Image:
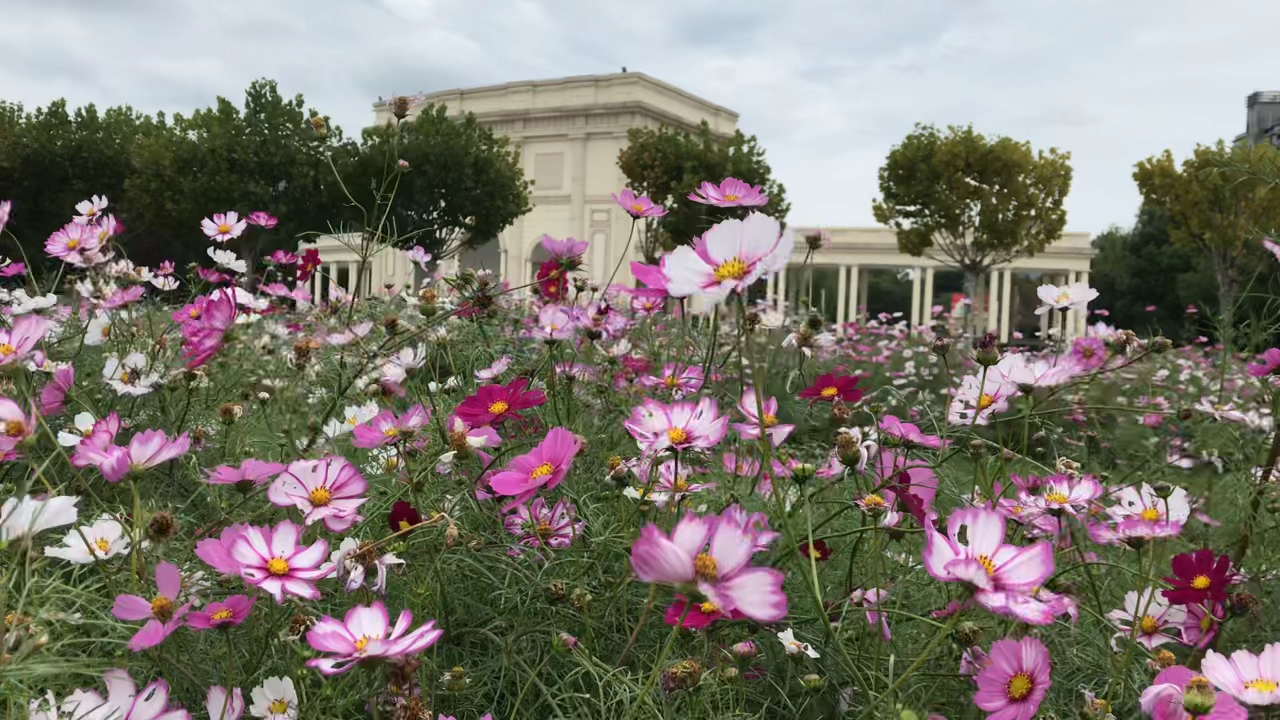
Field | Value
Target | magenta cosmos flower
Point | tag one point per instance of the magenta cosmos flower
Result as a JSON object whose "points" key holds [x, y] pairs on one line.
{"points": [[147, 449], [1015, 679], [273, 560], [123, 701], [907, 433], [15, 424], [263, 219], [678, 380], [540, 526], [492, 404], [678, 426], [222, 613], [831, 387], [365, 633], [385, 428], [223, 226], [731, 192], [994, 568], [1268, 364], [53, 395], [546, 465], [712, 555], [1251, 679], [653, 277], [1199, 577], [638, 206], [17, 342], [162, 614], [205, 326], [255, 472], [729, 257], [566, 249], [329, 489], [750, 407], [1062, 492], [73, 243], [1163, 700]]}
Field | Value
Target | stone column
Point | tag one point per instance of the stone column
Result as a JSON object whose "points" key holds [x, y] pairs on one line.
{"points": [[315, 287], [860, 296], [915, 297], [842, 294], [782, 290], [1006, 305], [993, 301], [926, 311], [770, 282], [1083, 328]]}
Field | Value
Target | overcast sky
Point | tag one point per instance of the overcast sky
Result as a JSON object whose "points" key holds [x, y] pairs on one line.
{"points": [[827, 85]]}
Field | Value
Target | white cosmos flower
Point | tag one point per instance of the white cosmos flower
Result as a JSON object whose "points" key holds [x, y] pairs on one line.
{"points": [[83, 423], [227, 259], [106, 538], [22, 303], [795, 647], [164, 282], [98, 330], [20, 517], [350, 567], [398, 367], [352, 416], [129, 376], [1065, 297], [275, 699]]}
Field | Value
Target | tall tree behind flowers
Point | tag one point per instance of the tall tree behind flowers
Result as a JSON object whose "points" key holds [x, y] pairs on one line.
{"points": [[668, 163], [971, 201]]}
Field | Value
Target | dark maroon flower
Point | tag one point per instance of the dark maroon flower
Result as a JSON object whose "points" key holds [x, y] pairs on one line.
{"points": [[403, 516], [552, 281], [1198, 578], [492, 404], [830, 387], [819, 550], [308, 262]]}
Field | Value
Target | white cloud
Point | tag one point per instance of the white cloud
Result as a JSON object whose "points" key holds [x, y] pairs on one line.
{"points": [[828, 85]]}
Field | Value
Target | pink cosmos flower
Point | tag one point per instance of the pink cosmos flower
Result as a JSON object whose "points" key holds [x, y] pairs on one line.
{"points": [[554, 323], [385, 428], [1271, 247], [222, 705], [696, 615], [6, 206], [161, 612], [216, 552], [123, 701], [13, 269], [1163, 700], [494, 370], [1015, 679], [1062, 492], [907, 483], [462, 435], [365, 633], [1251, 679], [282, 257], [983, 560], [678, 426], [54, 394], [1268, 364], [908, 433], [868, 600], [1140, 513], [565, 249], [1201, 624], [271, 559], [223, 226], [546, 465], [678, 380], [751, 429], [261, 218], [252, 471], [712, 555], [667, 486], [74, 244], [328, 489], [731, 192], [1153, 617], [1089, 353], [15, 424], [18, 341], [492, 404], [647, 301], [651, 276], [206, 325], [541, 527], [637, 206], [146, 449], [729, 257], [221, 613]]}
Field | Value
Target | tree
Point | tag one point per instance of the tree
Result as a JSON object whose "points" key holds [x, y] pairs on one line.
{"points": [[459, 185], [668, 163], [972, 202], [1219, 203]]}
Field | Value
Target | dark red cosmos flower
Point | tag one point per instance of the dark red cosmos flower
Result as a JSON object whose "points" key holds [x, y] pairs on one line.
{"points": [[1198, 577], [491, 404], [819, 550], [308, 262], [830, 387], [552, 280], [403, 516]]}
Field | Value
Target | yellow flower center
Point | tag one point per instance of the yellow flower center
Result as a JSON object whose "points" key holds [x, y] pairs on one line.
{"points": [[193, 312], [1261, 685], [873, 501], [770, 420], [637, 208], [499, 407], [15, 428], [102, 545], [704, 567], [680, 485], [542, 471], [1086, 351], [278, 566], [1201, 582], [677, 435], [1150, 514], [709, 608], [6, 349], [985, 401], [1206, 622], [732, 269], [987, 565], [1019, 686], [391, 432], [223, 614], [224, 228], [162, 608], [404, 525], [1056, 497], [353, 420], [72, 244], [361, 643], [278, 706], [730, 198], [1149, 625], [671, 381], [815, 553], [830, 392], [126, 377], [320, 496], [542, 528]]}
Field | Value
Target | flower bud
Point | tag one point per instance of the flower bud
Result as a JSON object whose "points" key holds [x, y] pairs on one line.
{"points": [[986, 353], [565, 641], [967, 634], [162, 527], [941, 346], [682, 675], [744, 650], [1160, 344], [1165, 659], [400, 107], [450, 535], [1198, 697], [803, 473], [813, 681], [1162, 489]]}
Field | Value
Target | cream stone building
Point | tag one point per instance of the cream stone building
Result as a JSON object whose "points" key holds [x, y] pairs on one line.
{"points": [[568, 133]]}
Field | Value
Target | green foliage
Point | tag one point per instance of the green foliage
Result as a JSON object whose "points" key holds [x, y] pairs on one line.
{"points": [[973, 200], [668, 163], [1218, 203], [462, 184]]}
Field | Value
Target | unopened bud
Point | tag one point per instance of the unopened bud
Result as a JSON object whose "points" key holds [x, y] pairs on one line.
{"points": [[565, 641], [1007, 455], [1162, 489], [977, 447], [163, 526], [813, 682], [1198, 697], [1160, 344], [744, 650], [803, 473], [941, 346], [985, 352], [968, 634], [450, 535], [400, 107]]}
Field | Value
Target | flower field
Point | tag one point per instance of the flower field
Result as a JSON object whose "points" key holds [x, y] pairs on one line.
{"points": [[580, 500]]}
